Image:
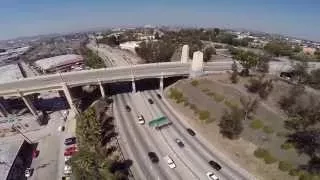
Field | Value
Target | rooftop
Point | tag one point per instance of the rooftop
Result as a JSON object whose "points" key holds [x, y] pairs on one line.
{"points": [[56, 61], [8, 153]]}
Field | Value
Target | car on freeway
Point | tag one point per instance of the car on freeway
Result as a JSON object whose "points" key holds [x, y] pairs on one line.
{"points": [[212, 176], [69, 141], [170, 162], [153, 157], [179, 142], [128, 109], [191, 132], [150, 101], [28, 172], [159, 96], [141, 119], [215, 165], [35, 153], [67, 170]]}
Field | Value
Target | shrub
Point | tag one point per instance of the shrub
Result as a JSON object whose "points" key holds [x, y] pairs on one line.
{"points": [[256, 124], [186, 103], [195, 83], [230, 104], [282, 134], [203, 115], [284, 166], [205, 90], [269, 159], [286, 146], [218, 97], [260, 153], [295, 172], [308, 176], [267, 129]]}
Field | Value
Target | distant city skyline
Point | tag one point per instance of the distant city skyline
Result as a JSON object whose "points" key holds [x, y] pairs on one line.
{"points": [[33, 17]]}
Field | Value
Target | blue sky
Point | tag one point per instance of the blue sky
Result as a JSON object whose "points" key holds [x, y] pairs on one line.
{"points": [[31, 17]]}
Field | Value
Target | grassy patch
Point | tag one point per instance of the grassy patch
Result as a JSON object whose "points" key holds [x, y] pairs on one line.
{"points": [[265, 155], [203, 115], [195, 83], [205, 90], [230, 104], [282, 134], [285, 166], [256, 124], [268, 129], [295, 172], [286, 146]]}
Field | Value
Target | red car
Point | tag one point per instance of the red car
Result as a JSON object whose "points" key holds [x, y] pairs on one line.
{"points": [[35, 153], [70, 151], [73, 148]]}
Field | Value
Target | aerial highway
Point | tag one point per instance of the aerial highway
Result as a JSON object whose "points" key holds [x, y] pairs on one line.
{"points": [[191, 160]]}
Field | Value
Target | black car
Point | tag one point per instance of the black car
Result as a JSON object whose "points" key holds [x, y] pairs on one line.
{"points": [[128, 108], [69, 141], [159, 96], [153, 157], [179, 142], [215, 165], [150, 101], [191, 132]]}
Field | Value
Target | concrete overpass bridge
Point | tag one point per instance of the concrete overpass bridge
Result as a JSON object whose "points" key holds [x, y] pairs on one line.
{"points": [[64, 81]]}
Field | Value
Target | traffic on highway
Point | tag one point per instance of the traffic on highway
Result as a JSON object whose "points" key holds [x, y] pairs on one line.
{"points": [[163, 146]]}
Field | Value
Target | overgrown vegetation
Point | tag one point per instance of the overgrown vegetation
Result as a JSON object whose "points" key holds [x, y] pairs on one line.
{"points": [[265, 155], [286, 146], [194, 83], [256, 124], [231, 123], [234, 75], [260, 86], [97, 158], [208, 52], [91, 59]]}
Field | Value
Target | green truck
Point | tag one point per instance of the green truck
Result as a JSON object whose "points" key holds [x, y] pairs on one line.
{"points": [[159, 122]]}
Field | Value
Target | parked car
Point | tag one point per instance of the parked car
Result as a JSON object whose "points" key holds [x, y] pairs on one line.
{"points": [[141, 119], [191, 132], [73, 148], [35, 153], [128, 109], [159, 96], [69, 141], [67, 170], [212, 176], [153, 157], [28, 172], [170, 162], [179, 142], [150, 101], [215, 165], [61, 128]]}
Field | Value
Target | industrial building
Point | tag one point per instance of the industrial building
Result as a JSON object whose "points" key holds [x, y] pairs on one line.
{"points": [[14, 159], [61, 63]]}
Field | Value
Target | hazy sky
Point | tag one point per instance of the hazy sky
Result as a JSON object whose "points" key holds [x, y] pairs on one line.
{"points": [[31, 17]]}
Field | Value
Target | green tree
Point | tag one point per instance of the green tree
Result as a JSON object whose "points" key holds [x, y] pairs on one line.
{"points": [[231, 123], [234, 75], [208, 52], [247, 59], [278, 48], [249, 106]]}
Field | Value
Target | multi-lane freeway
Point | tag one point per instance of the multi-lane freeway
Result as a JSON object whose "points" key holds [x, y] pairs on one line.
{"points": [[191, 160]]}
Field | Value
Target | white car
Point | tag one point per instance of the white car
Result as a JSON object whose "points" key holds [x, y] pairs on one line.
{"points": [[66, 158], [170, 162], [67, 169], [141, 119], [28, 172], [212, 176]]}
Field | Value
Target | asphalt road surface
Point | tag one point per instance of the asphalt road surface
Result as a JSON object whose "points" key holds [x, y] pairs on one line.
{"points": [[138, 140]]}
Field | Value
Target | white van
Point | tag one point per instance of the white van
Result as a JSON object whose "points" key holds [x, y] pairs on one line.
{"points": [[170, 162], [141, 119]]}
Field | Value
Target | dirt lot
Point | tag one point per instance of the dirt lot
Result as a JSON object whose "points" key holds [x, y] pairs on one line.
{"points": [[241, 150]]}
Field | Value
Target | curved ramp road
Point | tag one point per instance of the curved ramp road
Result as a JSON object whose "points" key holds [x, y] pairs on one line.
{"points": [[191, 160]]}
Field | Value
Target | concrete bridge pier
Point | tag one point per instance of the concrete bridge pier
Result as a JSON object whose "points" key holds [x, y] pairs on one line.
{"points": [[134, 90], [103, 94], [197, 64], [3, 111], [29, 104], [69, 98], [161, 83], [185, 54]]}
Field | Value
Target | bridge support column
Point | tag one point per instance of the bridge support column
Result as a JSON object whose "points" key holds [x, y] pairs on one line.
{"points": [[197, 64], [3, 111], [161, 83], [134, 90], [103, 94], [29, 104], [69, 98], [185, 54]]}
